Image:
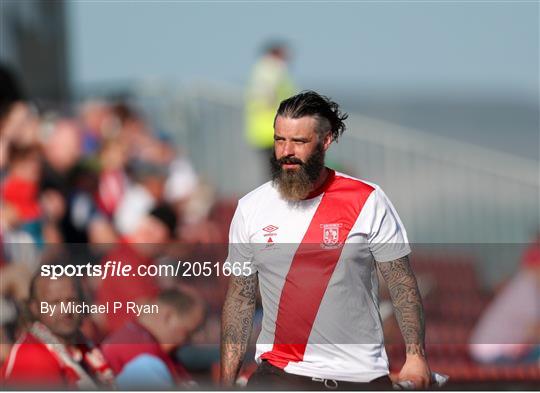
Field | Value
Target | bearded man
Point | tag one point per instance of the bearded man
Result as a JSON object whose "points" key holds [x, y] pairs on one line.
{"points": [[313, 238]]}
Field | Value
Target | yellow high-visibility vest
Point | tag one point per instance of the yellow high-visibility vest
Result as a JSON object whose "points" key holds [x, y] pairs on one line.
{"points": [[269, 85]]}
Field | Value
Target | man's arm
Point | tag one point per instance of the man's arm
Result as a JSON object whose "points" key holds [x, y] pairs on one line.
{"points": [[236, 324], [409, 313]]}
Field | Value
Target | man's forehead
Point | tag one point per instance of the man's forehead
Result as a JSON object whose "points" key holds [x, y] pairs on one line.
{"points": [[48, 287], [305, 124]]}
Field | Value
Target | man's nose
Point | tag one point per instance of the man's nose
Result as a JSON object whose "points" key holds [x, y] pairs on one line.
{"points": [[288, 149]]}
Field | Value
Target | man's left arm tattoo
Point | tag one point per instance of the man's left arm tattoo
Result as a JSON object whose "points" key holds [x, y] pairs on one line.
{"points": [[407, 303]]}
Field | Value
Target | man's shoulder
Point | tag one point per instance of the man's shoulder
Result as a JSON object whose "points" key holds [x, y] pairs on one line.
{"points": [[358, 183], [30, 344], [264, 192], [28, 354]]}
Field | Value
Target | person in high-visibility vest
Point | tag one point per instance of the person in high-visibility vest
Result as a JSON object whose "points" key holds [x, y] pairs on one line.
{"points": [[269, 84]]}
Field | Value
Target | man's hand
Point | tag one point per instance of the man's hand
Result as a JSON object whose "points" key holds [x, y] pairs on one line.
{"points": [[415, 370]]}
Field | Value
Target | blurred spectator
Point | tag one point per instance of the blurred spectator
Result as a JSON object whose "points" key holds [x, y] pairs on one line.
{"points": [[53, 352], [62, 151], [140, 196], [269, 84], [82, 210], [18, 120], [140, 351], [71, 180], [131, 129], [20, 126], [182, 181], [141, 246], [191, 198], [21, 185], [20, 222], [509, 329], [98, 123], [15, 279], [112, 178], [18, 149]]}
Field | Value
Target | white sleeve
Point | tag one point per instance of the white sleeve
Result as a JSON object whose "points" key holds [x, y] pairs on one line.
{"points": [[387, 236], [240, 250]]}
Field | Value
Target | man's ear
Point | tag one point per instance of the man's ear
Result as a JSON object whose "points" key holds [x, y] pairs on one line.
{"points": [[327, 141]]}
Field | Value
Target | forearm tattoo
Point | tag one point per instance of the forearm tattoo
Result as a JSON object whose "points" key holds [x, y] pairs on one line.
{"points": [[407, 303], [236, 324]]}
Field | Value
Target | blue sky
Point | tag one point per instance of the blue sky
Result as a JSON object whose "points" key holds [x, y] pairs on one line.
{"points": [[403, 45]]}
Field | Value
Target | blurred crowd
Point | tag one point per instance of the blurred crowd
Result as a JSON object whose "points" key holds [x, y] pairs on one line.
{"points": [[99, 183], [93, 184], [96, 184]]}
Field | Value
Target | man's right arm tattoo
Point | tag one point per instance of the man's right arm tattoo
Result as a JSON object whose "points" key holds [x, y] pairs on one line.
{"points": [[236, 324], [407, 303]]}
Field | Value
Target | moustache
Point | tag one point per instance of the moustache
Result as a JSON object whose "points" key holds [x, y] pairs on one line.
{"points": [[290, 160]]}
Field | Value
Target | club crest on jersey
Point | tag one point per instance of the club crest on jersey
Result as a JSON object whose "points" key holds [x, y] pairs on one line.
{"points": [[330, 236]]}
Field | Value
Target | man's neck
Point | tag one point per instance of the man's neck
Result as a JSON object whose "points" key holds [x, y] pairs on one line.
{"points": [[319, 183], [321, 179]]}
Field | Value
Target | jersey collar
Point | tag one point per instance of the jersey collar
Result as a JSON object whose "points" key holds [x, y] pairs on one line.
{"points": [[329, 180]]}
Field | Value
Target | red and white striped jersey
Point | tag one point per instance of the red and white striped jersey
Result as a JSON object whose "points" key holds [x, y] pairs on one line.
{"points": [[315, 261]]}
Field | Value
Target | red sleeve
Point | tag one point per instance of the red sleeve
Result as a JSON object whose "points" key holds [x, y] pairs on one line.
{"points": [[31, 364]]}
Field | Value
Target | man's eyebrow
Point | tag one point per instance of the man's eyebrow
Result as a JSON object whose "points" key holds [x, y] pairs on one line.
{"points": [[294, 139]]}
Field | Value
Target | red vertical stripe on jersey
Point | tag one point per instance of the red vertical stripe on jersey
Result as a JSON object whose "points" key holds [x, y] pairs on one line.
{"points": [[312, 267]]}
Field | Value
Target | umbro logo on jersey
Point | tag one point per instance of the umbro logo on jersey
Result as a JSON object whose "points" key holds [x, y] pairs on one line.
{"points": [[270, 232], [270, 228]]}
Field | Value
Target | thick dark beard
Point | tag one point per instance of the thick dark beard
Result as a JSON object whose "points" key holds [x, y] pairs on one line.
{"points": [[296, 184]]}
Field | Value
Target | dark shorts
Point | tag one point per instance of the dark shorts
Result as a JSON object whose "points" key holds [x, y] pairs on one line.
{"points": [[268, 377]]}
